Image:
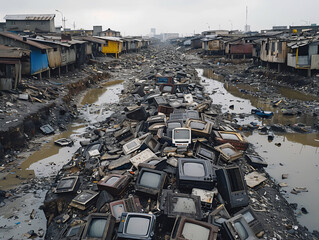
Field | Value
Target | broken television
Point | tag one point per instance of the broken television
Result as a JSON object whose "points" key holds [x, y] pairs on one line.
{"points": [[181, 137], [136, 226], [251, 219], [190, 229], [131, 204], [237, 228], [195, 173], [114, 183], [67, 184], [150, 181], [99, 226]]}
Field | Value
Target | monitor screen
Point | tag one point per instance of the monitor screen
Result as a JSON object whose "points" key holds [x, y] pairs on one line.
{"points": [[167, 88], [194, 169], [181, 134], [152, 143], [150, 179], [138, 225], [234, 176], [183, 205], [248, 216], [174, 125], [83, 197], [219, 219], [112, 180], [229, 136], [117, 210], [197, 125], [66, 183], [228, 151], [131, 144], [73, 231], [96, 228], [193, 231], [205, 152], [240, 229]]}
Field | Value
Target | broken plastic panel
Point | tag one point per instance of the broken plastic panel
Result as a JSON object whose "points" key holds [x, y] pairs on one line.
{"points": [[228, 152], [165, 109], [251, 219], [206, 196], [195, 173], [132, 146], [232, 187], [156, 164], [237, 228], [137, 114], [123, 134], [136, 226], [218, 216], [150, 182], [151, 143], [131, 204], [71, 233], [202, 150], [189, 229], [256, 161], [234, 138], [99, 226], [114, 183], [143, 156], [84, 200], [68, 185]]}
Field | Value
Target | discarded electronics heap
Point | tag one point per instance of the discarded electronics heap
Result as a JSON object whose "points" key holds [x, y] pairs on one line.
{"points": [[167, 170]]}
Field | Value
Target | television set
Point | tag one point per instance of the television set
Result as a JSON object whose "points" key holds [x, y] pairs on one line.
{"points": [[251, 218], [151, 143], [138, 114], [204, 151], [123, 134], [115, 184], [156, 164], [218, 216], [131, 204], [132, 146], [155, 127], [181, 137], [171, 124], [189, 229], [256, 161], [167, 110], [192, 114], [228, 152], [136, 226], [162, 79], [143, 156], [174, 204], [237, 228], [156, 119], [234, 138], [195, 173], [84, 200], [167, 88], [68, 185], [150, 182], [199, 128], [99, 226], [232, 187], [159, 100], [71, 233]]}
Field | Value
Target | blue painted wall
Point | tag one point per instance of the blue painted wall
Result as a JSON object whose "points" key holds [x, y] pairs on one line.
{"points": [[39, 61]]}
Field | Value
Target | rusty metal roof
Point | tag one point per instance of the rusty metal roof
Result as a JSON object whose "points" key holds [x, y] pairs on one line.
{"points": [[33, 17], [26, 41], [12, 52]]}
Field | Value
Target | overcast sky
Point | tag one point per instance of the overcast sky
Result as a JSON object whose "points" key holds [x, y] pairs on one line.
{"points": [[136, 17]]}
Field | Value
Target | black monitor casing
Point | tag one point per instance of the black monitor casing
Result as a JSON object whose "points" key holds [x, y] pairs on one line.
{"points": [[108, 230]]}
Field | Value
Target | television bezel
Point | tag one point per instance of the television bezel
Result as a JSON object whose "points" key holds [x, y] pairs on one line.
{"points": [[225, 157], [167, 84], [137, 206], [217, 212], [205, 132], [108, 229], [123, 226], [149, 190], [84, 205], [229, 228], [200, 145], [255, 224], [127, 151], [118, 187], [67, 228], [177, 231], [68, 190]]}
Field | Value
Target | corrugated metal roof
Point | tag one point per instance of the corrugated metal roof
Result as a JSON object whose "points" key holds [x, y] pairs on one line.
{"points": [[92, 39], [27, 41], [115, 39], [33, 17], [12, 52]]}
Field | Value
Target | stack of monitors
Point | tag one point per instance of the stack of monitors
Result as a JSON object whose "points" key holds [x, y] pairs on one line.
{"points": [[115, 184]]}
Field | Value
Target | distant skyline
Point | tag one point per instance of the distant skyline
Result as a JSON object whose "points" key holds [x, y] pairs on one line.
{"points": [[174, 16]]}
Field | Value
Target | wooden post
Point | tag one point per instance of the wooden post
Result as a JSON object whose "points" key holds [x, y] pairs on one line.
{"points": [[59, 71], [279, 67], [309, 72], [49, 73]]}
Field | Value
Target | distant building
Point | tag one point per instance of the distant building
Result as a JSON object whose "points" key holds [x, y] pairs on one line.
{"points": [[2, 26], [153, 32], [247, 28], [97, 30], [279, 28], [167, 36], [215, 32], [309, 28], [110, 33], [30, 23]]}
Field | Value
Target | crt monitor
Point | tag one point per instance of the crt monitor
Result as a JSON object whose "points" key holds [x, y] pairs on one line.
{"points": [[99, 226], [181, 137], [136, 226], [67, 184], [150, 181], [237, 228], [190, 229], [114, 183]]}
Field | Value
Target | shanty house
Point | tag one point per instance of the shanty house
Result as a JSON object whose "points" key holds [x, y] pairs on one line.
{"points": [[304, 54], [213, 45], [239, 49], [112, 45], [30, 23], [39, 52], [11, 61], [109, 33]]}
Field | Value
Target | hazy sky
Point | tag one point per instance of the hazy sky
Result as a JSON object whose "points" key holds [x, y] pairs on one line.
{"points": [[136, 17]]}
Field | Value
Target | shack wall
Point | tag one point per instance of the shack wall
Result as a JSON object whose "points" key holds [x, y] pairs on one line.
{"points": [[39, 61]]}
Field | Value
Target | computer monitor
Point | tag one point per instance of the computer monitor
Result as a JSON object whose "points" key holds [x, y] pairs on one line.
{"points": [[181, 137], [136, 226], [114, 183], [237, 228], [218, 216], [151, 143], [84, 200], [199, 128], [251, 218], [204, 151], [131, 204], [189, 229], [234, 138], [132, 146], [156, 164], [232, 187], [174, 204], [150, 182], [67, 185], [256, 161], [99, 226], [228, 152], [171, 124], [195, 173], [71, 232]]}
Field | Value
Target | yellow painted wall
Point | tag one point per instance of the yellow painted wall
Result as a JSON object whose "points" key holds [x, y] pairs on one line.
{"points": [[112, 47]]}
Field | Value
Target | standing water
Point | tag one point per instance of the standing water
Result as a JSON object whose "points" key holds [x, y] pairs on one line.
{"points": [[22, 214], [297, 156]]}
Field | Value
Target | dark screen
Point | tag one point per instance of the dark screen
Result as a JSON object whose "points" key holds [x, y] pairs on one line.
{"points": [[236, 183], [240, 229], [73, 231], [66, 183], [206, 153], [96, 228]]}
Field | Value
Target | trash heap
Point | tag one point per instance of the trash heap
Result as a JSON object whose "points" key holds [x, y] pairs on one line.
{"points": [[164, 167]]}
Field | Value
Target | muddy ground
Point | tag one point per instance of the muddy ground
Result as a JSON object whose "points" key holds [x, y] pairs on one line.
{"points": [[276, 214]]}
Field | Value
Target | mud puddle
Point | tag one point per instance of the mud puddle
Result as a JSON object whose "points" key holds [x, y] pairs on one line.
{"points": [[15, 218], [297, 156]]}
